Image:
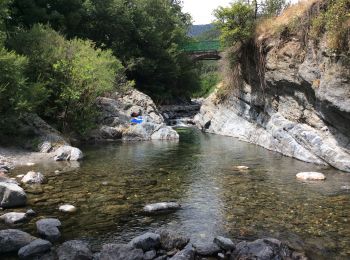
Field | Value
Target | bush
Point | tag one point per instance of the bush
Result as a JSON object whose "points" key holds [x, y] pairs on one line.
{"points": [[71, 73]]}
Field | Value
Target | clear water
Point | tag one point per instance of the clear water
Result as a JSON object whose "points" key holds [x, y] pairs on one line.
{"points": [[115, 181]]}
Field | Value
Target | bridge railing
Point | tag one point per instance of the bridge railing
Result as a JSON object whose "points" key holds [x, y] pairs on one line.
{"points": [[202, 46]]}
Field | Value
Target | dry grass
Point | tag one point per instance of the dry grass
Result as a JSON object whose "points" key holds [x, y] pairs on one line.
{"points": [[271, 26]]}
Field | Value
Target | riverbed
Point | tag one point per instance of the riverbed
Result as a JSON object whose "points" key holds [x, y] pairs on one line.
{"points": [[115, 180]]}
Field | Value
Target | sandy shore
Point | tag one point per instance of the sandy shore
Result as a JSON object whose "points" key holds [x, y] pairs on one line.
{"points": [[12, 157]]}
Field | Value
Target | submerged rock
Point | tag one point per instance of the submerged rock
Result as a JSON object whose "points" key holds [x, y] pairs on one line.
{"points": [[48, 228], [161, 206], [68, 153], [33, 178], [11, 195], [67, 208], [11, 240], [120, 251], [74, 250], [170, 240], [146, 241], [35, 248], [13, 218], [312, 176]]}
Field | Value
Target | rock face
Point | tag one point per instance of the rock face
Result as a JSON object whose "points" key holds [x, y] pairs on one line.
{"points": [[33, 178], [300, 107], [161, 207], [11, 240], [74, 250], [35, 248], [117, 111], [48, 228], [11, 195]]}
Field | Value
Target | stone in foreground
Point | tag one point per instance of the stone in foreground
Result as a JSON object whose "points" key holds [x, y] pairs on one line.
{"points": [[120, 251], [224, 243], [207, 249], [11, 240], [11, 195], [170, 240], [33, 178], [146, 241], [48, 229], [68, 153], [187, 253], [67, 208], [161, 207], [36, 248], [267, 248], [311, 176], [74, 249], [13, 218]]}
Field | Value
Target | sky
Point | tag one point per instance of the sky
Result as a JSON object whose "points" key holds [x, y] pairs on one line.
{"points": [[202, 10]]}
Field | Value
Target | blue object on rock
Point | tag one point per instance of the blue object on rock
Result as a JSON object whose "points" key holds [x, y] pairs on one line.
{"points": [[136, 120]]}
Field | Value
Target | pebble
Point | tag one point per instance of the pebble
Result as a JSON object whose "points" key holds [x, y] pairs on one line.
{"points": [[67, 208], [311, 176]]}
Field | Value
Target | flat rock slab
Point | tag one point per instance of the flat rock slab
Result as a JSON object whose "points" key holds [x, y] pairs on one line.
{"points": [[311, 176], [13, 218], [120, 251], [170, 240], [37, 247], [12, 195], [224, 243], [33, 178], [48, 229], [146, 241], [74, 249], [11, 240], [161, 207], [67, 208]]}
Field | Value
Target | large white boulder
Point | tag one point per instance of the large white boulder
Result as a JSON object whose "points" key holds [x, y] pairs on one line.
{"points": [[68, 153]]}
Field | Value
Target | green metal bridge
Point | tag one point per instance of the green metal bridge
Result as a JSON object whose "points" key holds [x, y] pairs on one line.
{"points": [[204, 50]]}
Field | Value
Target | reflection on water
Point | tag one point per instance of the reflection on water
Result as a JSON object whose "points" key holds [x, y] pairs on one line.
{"points": [[116, 180]]}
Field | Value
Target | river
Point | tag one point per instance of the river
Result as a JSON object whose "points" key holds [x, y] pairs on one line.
{"points": [[115, 180]]}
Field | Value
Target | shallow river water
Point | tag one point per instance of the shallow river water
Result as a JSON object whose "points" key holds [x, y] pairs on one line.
{"points": [[114, 182]]}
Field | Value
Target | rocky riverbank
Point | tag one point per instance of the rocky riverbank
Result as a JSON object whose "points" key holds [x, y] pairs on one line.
{"points": [[298, 107], [161, 245]]}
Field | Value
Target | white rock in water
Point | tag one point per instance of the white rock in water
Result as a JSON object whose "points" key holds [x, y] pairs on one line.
{"points": [[311, 176], [242, 167], [13, 218], [162, 206], [33, 178], [67, 208], [30, 164], [20, 176]]}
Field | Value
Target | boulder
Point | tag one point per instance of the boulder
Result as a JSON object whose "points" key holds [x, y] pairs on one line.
{"points": [[67, 208], [187, 253], [120, 251], [170, 240], [262, 249], [13, 218], [74, 250], [11, 195], [33, 178], [165, 133], [36, 248], [68, 153], [161, 206], [311, 176], [207, 249], [11, 240], [48, 229], [146, 241], [224, 243]]}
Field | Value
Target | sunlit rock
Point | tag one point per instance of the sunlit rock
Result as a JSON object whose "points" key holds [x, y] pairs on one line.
{"points": [[67, 208], [311, 176], [161, 206]]}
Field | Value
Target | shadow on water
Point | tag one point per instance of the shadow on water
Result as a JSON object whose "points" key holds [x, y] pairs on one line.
{"points": [[114, 182]]}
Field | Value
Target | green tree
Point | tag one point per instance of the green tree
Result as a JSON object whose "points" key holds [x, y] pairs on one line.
{"points": [[235, 22], [273, 7]]}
